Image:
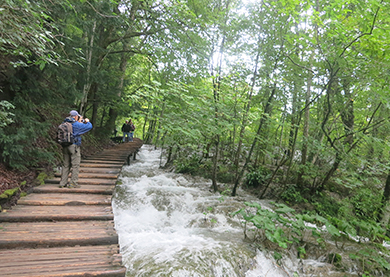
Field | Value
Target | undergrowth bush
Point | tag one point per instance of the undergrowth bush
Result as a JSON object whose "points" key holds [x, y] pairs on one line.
{"points": [[189, 165], [366, 204], [284, 227], [24, 146], [256, 178], [291, 195], [325, 205], [225, 174]]}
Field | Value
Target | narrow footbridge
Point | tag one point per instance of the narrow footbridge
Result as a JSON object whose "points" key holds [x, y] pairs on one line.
{"points": [[67, 232]]}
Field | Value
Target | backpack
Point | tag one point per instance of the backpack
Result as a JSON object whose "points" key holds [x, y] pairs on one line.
{"points": [[65, 134]]}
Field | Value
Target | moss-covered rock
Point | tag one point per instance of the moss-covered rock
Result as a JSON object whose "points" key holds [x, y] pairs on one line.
{"points": [[8, 193]]}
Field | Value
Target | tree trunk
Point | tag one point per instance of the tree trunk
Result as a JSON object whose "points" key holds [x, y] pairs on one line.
{"points": [[93, 118], [245, 118], [330, 173], [87, 84], [385, 207], [267, 111], [305, 133], [215, 165], [347, 115], [113, 113]]}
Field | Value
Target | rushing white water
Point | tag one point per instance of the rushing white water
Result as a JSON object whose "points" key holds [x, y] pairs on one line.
{"points": [[173, 225]]}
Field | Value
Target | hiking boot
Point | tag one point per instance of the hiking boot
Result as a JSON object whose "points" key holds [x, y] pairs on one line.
{"points": [[63, 186], [73, 186]]}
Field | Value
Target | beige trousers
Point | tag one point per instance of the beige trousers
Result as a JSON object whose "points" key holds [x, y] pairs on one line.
{"points": [[72, 158]]}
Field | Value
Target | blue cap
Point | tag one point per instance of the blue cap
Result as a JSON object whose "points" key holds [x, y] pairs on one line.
{"points": [[74, 113]]}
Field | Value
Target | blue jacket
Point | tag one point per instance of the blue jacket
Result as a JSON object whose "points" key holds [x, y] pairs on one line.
{"points": [[78, 129]]}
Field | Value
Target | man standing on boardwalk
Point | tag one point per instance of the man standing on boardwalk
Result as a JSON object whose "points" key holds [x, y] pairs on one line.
{"points": [[126, 130], [71, 153], [132, 128]]}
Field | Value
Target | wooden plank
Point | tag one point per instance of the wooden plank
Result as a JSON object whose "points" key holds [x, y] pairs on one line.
{"points": [[119, 159], [64, 261], [56, 199], [93, 175], [22, 213], [96, 165], [100, 170], [43, 253], [54, 234], [72, 271], [85, 181], [95, 189]]}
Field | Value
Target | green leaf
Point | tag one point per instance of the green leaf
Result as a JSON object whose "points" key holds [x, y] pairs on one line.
{"points": [[284, 210], [332, 229]]}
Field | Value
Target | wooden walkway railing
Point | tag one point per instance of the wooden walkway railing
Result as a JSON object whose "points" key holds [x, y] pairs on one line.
{"points": [[67, 232]]}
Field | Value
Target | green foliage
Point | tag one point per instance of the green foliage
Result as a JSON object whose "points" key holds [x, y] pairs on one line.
{"points": [[370, 259], [6, 117], [190, 165], [325, 205], [335, 259], [301, 252], [366, 204], [21, 146], [225, 174], [257, 178], [41, 178], [27, 32], [225, 193], [279, 227], [284, 226], [277, 256], [8, 193], [291, 195]]}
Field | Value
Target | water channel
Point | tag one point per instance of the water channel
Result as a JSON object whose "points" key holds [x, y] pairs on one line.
{"points": [[172, 225]]}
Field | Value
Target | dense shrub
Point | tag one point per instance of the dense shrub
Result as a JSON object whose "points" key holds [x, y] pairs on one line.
{"points": [[188, 165], [257, 177]]}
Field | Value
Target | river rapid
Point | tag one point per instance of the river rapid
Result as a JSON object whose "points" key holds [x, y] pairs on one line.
{"points": [[172, 225]]}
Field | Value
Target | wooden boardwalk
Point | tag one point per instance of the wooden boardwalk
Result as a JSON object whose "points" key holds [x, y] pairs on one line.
{"points": [[67, 232]]}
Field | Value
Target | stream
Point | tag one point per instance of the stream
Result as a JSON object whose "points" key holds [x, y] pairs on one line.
{"points": [[171, 224]]}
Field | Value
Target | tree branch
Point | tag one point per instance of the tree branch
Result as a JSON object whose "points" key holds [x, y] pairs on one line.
{"points": [[301, 66], [364, 34], [127, 51]]}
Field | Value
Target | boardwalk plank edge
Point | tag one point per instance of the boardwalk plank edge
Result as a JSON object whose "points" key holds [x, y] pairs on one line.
{"points": [[58, 242], [50, 218]]}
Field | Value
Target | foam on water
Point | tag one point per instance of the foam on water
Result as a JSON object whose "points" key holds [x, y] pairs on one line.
{"points": [[173, 225]]}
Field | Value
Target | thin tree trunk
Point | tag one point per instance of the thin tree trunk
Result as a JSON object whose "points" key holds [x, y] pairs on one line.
{"points": [[339, 156], [144, 127], [245, 117], [113, 113], [103, 116], [217, 88], [305, 132], [215, 165], [267, 110], [385, 205], [87, 84], [95, 106]]}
